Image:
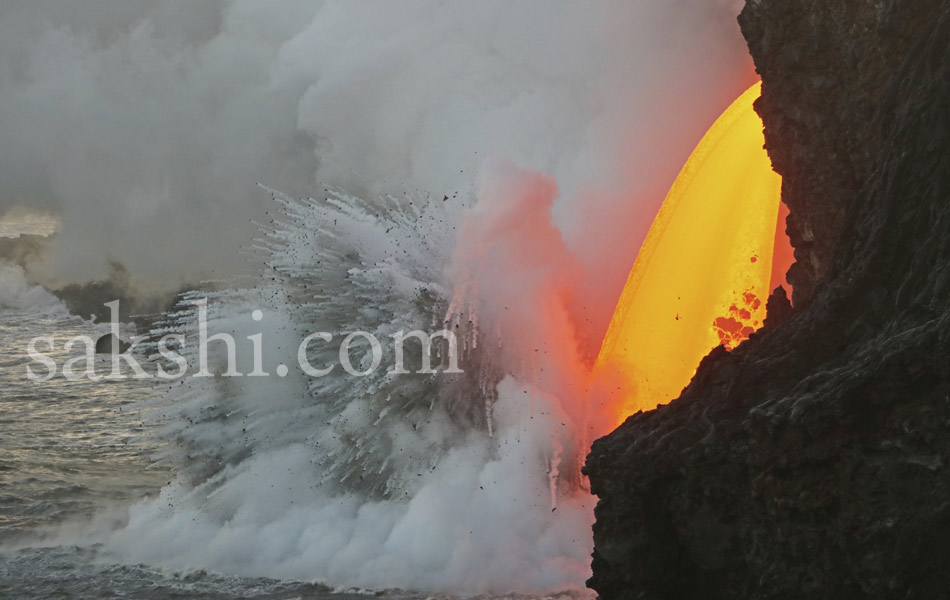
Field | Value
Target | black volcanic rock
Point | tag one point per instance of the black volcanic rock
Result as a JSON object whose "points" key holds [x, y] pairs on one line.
{"points": [[88, 300], [825, 66], [778, 308], [111, 344], [814, 460]]}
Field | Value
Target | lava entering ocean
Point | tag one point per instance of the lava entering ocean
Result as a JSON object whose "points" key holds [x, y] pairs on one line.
{"points": [[704, 270], [467, 482]]}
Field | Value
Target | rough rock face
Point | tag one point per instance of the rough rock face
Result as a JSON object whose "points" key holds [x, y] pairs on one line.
{"points": [[825, 66], [814, 460]]}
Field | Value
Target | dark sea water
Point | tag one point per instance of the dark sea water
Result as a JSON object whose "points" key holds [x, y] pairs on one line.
{"points": [[81, 572], [74, 451], [73, 457], [68, 448]]}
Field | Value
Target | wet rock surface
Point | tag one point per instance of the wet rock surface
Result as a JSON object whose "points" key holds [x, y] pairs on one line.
{"points": [[814, 460]]}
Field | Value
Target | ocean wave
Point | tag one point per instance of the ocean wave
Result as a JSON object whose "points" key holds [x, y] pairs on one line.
{"points": [[17, 294]]}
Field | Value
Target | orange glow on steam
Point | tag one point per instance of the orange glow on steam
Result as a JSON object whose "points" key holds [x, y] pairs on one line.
{"points": [[702, 275]]}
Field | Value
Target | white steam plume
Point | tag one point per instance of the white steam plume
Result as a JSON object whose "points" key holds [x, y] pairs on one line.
{"points": [[145, 125]]}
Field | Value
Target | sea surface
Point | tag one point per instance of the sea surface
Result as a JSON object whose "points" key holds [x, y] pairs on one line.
{"points": [[67, 448], [69, 452], [74, 453]]}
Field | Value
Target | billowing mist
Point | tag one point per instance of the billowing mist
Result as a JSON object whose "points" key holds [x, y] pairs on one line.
{"points": [[144, 126]]}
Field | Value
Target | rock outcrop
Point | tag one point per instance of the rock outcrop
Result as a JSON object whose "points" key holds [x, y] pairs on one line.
{"points": [[814, 460]]}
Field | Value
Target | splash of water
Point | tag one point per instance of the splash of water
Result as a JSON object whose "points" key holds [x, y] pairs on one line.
{"points": [[463, 483], [18, 294]]}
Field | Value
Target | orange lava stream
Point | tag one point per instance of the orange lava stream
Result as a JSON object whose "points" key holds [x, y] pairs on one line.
{"points": [[703, 273]]}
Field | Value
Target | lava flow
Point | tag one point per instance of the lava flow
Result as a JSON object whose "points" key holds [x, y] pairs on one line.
{"points": [[703, 273]]}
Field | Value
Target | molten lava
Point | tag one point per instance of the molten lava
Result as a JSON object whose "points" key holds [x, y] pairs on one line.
{"points": [[703, 273]]}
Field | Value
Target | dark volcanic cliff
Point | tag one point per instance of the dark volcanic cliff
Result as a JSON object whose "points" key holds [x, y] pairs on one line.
{"points": [[814, 460]]}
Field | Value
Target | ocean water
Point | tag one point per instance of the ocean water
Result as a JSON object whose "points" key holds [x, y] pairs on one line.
{"points": [[68, 448], [76, 452]]}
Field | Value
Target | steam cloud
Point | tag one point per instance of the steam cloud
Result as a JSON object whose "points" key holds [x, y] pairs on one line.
{"points": [[144, 126]]}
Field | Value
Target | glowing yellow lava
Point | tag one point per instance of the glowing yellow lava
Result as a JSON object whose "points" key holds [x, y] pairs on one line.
{"points": [[702, 275]]}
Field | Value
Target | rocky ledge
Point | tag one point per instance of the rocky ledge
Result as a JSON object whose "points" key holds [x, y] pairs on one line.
{"points": [[814, 460]]}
